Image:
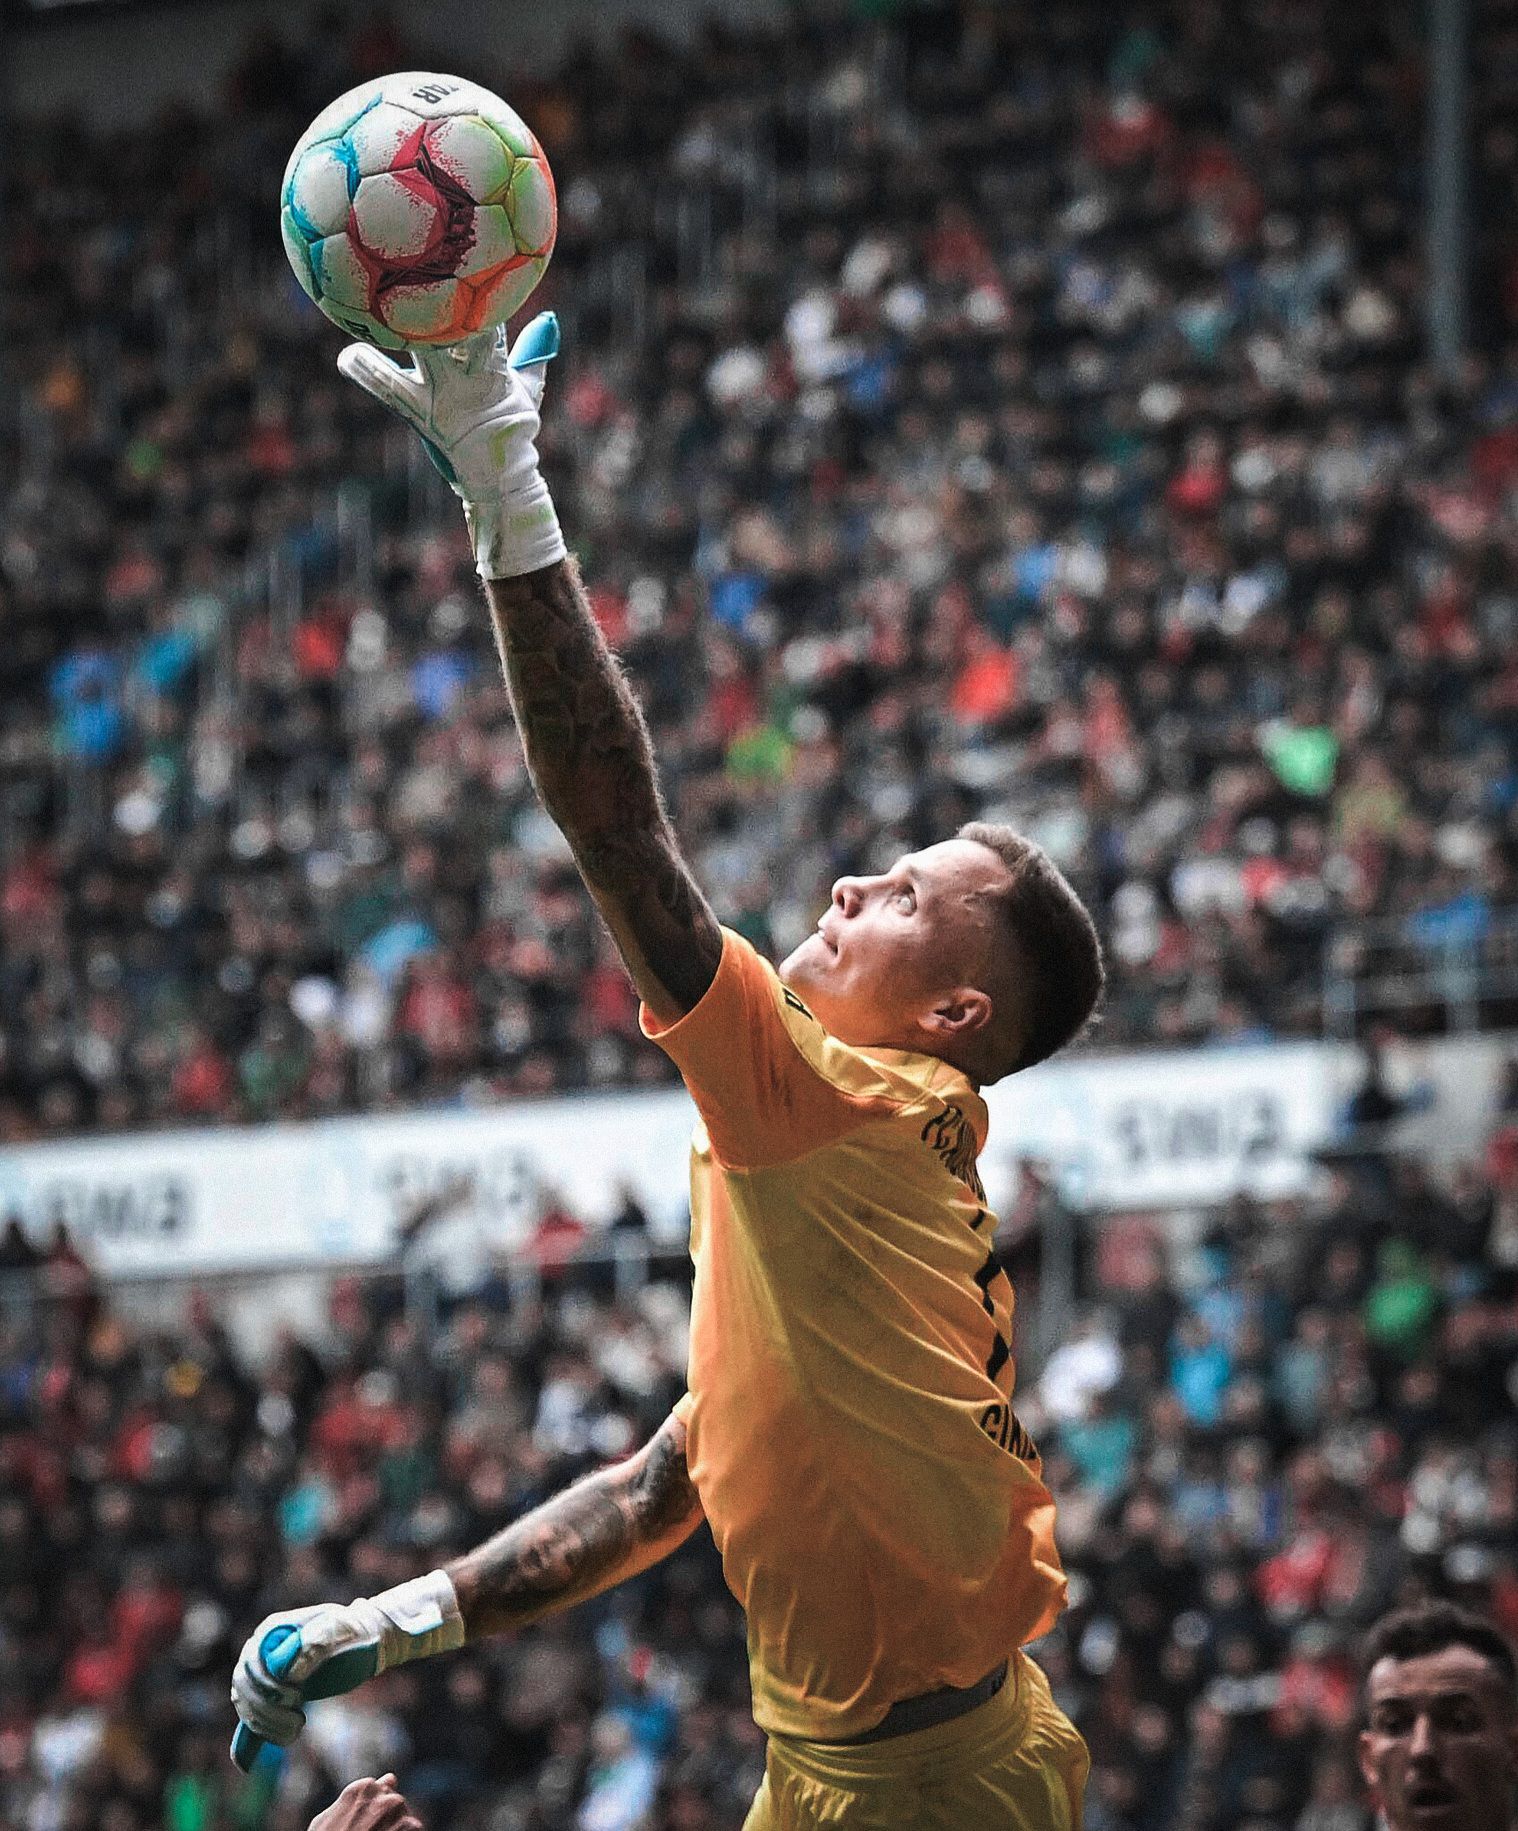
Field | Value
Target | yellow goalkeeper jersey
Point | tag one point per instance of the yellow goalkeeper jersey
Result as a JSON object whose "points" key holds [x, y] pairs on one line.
{"points": [[880, 1512]]}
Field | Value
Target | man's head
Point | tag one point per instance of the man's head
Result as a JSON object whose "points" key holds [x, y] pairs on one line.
{"points": [[975, 950], [1440, 1745]]}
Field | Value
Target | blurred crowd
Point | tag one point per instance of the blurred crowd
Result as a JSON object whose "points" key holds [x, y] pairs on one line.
{"points": [[1264, 1431], [965, 410]]}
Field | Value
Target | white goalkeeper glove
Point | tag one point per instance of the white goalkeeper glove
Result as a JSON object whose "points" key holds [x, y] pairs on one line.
{"points": [[297, 1655], [476, 405]]}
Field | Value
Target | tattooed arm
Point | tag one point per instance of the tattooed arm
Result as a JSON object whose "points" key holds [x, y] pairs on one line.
{"points": [[599, 1532], [477, 407], [604, 1529], [590, 757]]}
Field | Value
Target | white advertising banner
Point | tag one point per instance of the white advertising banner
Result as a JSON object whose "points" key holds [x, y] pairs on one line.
{"points": [[1175, 1128], [233, 1199], [1172, 1127]]}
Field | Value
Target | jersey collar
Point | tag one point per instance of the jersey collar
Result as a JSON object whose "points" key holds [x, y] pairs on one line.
{"points": [[938, 1077]]}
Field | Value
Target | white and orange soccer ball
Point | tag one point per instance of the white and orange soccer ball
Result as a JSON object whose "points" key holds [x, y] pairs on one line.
{"points": [[418, 209]]}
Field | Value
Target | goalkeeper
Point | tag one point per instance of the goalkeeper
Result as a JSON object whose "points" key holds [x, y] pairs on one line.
{"points": [[848, 1430]]}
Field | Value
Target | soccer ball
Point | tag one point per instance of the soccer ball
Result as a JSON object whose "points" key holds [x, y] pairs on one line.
{"points": [[418, 209]]}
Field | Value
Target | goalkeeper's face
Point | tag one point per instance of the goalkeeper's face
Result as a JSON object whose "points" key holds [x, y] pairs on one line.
{"points": [[913, 958]]}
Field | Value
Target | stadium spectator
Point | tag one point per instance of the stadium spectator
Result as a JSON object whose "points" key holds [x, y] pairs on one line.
{"points": [[1440, 1746]]}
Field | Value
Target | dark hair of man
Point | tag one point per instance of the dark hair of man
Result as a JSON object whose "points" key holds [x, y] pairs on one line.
{"points": [[1061, 978], [1430, 1627]]}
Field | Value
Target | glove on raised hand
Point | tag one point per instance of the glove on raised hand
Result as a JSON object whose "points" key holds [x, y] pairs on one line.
{"points": [[476, 406], [336, 1649]]}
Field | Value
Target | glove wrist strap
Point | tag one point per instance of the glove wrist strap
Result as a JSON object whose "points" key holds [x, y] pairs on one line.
{"points": [[417, 1619], [516, 533]]}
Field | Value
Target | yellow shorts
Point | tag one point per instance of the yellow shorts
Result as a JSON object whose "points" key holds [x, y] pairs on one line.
{"points": [[1016, 1763]]}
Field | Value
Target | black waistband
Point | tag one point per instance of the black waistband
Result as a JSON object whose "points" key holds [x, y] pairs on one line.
{"points": [[931, 1708]]}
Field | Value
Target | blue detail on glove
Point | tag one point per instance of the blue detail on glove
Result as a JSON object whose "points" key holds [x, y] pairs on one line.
{"points": [[539, 342], [343, 1672], [280, 1645]]}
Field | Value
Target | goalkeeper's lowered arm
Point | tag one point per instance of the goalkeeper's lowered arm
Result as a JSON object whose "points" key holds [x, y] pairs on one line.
{"points": [[606, 1528], [597, 1533]]}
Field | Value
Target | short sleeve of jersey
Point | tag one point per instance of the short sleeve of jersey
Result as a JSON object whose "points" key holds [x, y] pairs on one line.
{"points": [[769, 1083]]}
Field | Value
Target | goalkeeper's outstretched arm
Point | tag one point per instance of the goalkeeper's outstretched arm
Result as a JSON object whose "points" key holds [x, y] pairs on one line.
{"points": [[589, 753], [586, 743], [606, 1528]]}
